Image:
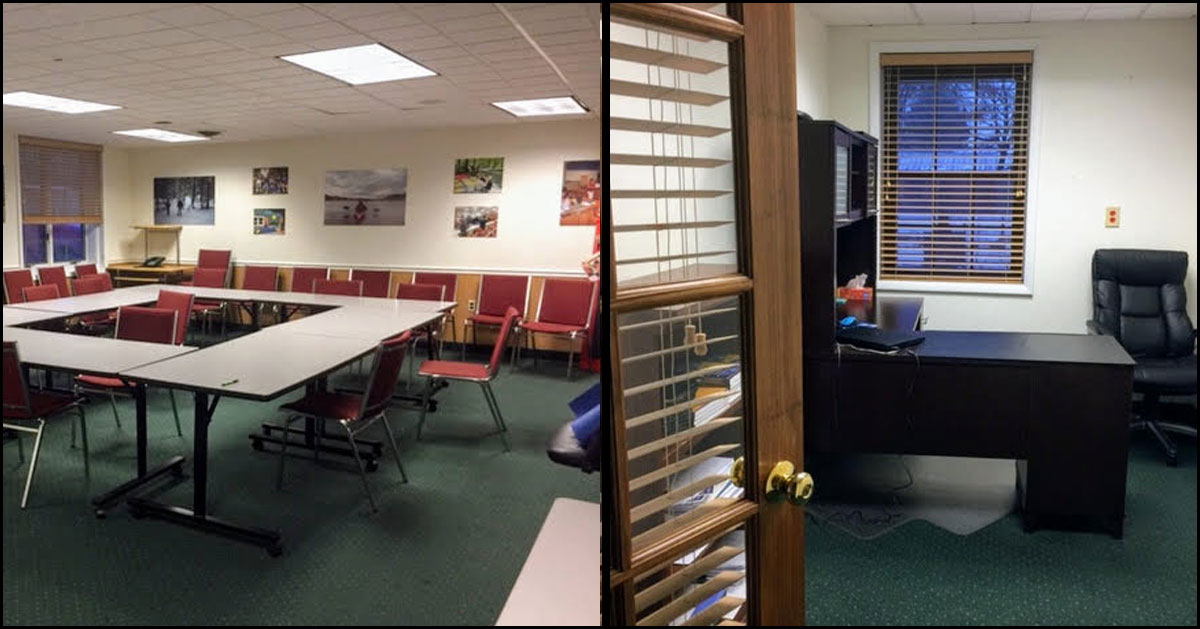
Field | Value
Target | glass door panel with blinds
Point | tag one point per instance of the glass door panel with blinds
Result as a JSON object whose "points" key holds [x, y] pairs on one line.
{"points": [[702, 586], [671, 155], [954, 166]]}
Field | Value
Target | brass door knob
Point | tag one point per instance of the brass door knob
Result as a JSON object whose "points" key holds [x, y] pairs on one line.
{"points": [[737, 473], [785, 482]]}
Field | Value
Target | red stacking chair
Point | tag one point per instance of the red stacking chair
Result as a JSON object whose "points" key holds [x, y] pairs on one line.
{"points": [[565, 309], [204, 277], [421, 292], [40, 293], [83, 270], [351, 288], [303, 278], [182, 304], [355, 412], [375, 283], [56, 275], [260, 278], [472, 372], [449, 281], [497, 293], [23, 407], [135, 323], [90, 284], [14, 281]]}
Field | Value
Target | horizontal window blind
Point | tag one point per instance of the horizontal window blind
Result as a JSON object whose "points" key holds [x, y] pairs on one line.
{"points": [[954, 166], [60, 182]]}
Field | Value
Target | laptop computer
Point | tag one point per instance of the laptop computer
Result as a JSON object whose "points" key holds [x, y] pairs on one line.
{"points": [[877, 339]]}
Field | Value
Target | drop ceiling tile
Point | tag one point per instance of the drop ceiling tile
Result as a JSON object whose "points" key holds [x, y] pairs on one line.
{"points": [[348, 10], [401, 34], [1114, 13], [101, 29], [227, 28], [382, 21], [286, 20], [490, 20], [189, 15], [437, 13], [406, 45], [249, 9], [1162, 10]]}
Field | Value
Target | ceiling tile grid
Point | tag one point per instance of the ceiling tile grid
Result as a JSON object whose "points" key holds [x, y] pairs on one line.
{"points": [[898, 13], [215, 66]]}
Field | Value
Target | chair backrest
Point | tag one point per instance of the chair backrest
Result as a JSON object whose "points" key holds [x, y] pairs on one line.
{"points": [[105, 280], [181, 303], [423, 292], [375, 283], [385, 372], [208, 277], [85, 269], [510, 319], [569, 302], [1139, 295], [498, 292], [14, 281], [447, 280], [16, 393], [89, 284], [40, 293], [56, 275], [213, 259], [152, 325], [260, 278], [353, 288], [303, 278]]}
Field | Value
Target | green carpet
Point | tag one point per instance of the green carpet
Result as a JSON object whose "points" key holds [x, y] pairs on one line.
{"points": [[443, 549], [920, 574]]}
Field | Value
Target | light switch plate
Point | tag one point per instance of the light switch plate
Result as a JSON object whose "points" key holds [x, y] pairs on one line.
{"points": [[1112, 216]]}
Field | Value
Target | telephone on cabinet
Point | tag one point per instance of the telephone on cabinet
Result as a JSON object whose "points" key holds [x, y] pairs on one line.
{"points": [[154, 261]]}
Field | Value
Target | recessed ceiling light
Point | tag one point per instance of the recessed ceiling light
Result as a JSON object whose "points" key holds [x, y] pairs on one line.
{"points": [[359, 65], [543, 107], [53, 103], [161, 135]]}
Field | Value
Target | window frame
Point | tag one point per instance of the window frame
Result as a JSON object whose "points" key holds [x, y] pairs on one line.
{"points": [[93, 238], [875, 98]]}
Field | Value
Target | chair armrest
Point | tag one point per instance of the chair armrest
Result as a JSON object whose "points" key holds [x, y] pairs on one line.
{"points": [[1095, 327]]}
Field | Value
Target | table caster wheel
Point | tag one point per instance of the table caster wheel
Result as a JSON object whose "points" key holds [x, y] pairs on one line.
{"points": [[101, 514], [275, 551], [433, 405], [372, 465], [1173, 460], [257, 444]]}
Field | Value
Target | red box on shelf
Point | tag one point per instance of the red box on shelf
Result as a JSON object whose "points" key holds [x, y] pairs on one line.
{"points": [[855, 294]]}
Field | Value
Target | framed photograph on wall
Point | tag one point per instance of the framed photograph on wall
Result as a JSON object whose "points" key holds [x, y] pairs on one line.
{"points": [[478, 175], [366, 197], [475, 222], [271, 180], [268, 221], [580, 193], [184, 200]]}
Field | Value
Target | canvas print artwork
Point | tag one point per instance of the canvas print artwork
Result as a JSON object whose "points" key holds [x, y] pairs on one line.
{"points": [[366, 197], [580, 193], [271, 180], [268, 222], [184, 200], [475, 222], [478, 175]]}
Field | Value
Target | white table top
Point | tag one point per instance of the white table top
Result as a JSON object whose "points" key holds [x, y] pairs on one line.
{"points": [[560, 581], [19, 316], [360, 323], [259, 366], [96, 301], [88, 354]]}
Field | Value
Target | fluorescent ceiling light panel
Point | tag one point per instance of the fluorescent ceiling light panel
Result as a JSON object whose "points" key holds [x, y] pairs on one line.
{"points": [[542, 107], [54, 103], [359, 65], [161, 135]]}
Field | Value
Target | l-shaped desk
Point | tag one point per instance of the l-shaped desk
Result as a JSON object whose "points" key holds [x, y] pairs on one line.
{"points": [[259, 366], [1057, 403]]}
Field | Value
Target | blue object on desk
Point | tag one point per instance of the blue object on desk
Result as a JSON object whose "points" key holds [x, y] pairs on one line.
{"points": [[848, 321]]}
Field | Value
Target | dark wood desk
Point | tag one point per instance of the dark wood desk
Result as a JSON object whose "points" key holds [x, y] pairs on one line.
{"points": [[1057, 403]]}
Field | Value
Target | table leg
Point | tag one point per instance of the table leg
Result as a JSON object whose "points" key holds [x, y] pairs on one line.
{"points": [[174, 465], [197, 517]]}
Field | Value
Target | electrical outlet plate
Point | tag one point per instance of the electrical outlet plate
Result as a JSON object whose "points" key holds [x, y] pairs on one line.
{"points": [[1112, 216], [471, 305]]}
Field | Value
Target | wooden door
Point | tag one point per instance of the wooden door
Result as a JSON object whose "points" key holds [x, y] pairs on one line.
{"points": [[705, 345]]}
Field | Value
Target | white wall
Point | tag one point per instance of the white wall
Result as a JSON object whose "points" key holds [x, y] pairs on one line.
{"points": [[12, 217], [1117, 127], [529, 237], [812, 50]]}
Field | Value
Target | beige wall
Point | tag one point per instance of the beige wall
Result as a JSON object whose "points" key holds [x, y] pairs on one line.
{"points": [[1117, 126], [529, 237], [812, 51]]}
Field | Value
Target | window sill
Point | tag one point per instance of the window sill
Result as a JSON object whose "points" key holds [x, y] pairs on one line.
{"points": [[954, 287]]}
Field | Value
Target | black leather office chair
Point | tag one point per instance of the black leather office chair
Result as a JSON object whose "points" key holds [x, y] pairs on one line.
{"points": [[564, 449], [1138, 297]]}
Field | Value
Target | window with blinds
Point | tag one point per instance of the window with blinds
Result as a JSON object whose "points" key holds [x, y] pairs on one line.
{"points": [[671, 153], [60, 182], [954, 161]]}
